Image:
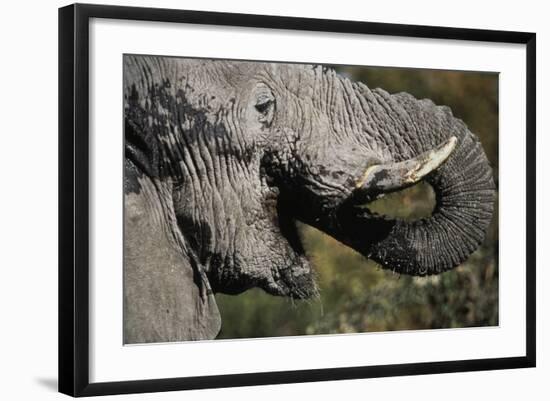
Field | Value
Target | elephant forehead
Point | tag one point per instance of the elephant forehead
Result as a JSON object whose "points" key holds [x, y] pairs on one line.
{"points": [[298, 79], [295, 78]]}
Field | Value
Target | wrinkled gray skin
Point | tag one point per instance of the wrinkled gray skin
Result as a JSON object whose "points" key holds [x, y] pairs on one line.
{"points": [[223, 157]]}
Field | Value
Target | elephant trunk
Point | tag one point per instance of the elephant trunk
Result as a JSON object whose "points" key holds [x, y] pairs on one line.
{"points": [[464, 190]]}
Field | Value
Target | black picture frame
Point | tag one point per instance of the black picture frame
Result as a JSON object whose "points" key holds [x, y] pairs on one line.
{"points": [[74, 198]]}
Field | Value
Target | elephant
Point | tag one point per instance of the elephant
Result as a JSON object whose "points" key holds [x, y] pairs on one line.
{"points": [[222, 158]]}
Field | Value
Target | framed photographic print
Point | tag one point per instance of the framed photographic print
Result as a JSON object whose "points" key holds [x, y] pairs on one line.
{"points": [[249, 199]]}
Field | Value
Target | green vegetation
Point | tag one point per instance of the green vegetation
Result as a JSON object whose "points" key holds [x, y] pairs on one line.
{"points": [[356, 295]]}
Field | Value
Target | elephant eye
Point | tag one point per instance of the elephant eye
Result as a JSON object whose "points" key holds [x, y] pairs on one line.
{"points": [[263, 104]]}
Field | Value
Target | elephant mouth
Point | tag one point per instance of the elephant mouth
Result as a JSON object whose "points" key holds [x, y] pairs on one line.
{"points": [[297, 281], [365, 217], [350, 224]]}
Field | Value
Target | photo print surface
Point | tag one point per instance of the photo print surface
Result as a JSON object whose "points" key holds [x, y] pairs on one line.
{"points": [[278, 199]]}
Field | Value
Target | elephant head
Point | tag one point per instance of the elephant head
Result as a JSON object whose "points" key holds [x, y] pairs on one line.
{"points": [[223, 157]]}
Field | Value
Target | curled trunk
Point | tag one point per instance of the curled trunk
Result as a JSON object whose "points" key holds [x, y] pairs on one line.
{"points": [[463, 186]]}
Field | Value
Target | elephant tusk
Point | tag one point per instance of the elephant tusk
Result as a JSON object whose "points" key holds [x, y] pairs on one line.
{"points": [[391, 177]]}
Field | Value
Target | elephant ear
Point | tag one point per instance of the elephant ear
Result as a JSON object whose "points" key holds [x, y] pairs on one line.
{"points": [[165, 298]]}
